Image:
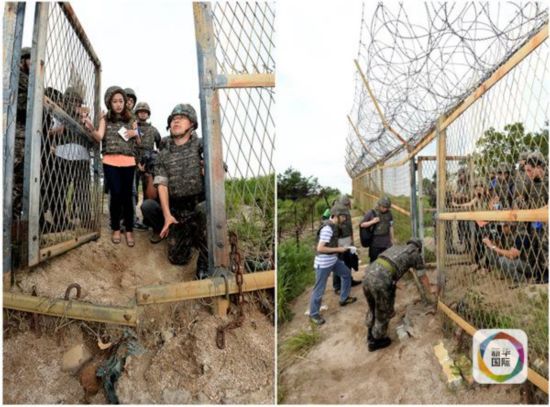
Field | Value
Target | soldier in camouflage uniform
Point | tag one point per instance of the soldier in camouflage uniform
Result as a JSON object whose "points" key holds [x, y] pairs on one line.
{"points": [[379, 287], [21, 117], [131, 99], [345, 239], [180, 182], [150, 137], [521, 183]]}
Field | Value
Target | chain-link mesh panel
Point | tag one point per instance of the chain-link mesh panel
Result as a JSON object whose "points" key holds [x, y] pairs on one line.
{"points": [[488, 187], [497, 271], [244, 45], [69, 179]]}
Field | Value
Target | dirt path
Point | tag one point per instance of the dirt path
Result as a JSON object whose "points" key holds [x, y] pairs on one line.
{"points": [[180, 364], [340, 369]]}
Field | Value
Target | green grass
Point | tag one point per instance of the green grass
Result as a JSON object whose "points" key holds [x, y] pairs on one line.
{"points": [[294, 273], [302, 342]]}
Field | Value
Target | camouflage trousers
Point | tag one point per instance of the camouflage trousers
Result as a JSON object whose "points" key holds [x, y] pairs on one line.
{"points": [[379, 290], [188, 233], [18, 171]]}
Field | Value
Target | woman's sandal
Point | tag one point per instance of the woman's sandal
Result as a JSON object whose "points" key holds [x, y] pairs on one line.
{"points": [[130, 242], [114, 239]]}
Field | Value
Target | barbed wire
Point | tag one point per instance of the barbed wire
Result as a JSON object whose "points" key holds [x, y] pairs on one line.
{"points": [[420, 62]]}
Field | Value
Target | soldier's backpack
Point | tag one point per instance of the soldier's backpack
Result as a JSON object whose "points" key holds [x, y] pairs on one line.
{"points": [[366, 234]]}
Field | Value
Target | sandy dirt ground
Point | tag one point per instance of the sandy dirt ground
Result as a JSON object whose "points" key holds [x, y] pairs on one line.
{"points": [[340, 369], [181, 363]]}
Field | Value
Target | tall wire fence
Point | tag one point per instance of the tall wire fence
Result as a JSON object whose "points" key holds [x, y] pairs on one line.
{"points": [[450, 119], [241, 66], [59, 207]]}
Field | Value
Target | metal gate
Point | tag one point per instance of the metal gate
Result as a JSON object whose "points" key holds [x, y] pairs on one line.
{"points": [[61, 193]]}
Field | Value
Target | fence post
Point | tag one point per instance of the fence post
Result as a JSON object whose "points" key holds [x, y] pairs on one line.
{"points": [[33, 135], [420, 203], [441, 250], [218, 255], [14, 16], [414, 204]]}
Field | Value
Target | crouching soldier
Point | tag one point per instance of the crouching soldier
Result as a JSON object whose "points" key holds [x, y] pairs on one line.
{"points": [[179, 178], [379, 287]]}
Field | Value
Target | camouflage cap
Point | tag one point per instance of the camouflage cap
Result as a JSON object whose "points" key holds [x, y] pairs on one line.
{"points": [[25, 52], [72, 95], [384, 202], [131, 94], [142, 107], [111, 90], [338, 209], [536, 159], [186, 110], [416, 242]]}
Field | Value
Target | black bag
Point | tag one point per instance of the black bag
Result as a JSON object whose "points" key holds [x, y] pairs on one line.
{"points": [[366, 234]]}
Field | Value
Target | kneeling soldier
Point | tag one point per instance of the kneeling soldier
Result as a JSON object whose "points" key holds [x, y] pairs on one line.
{"points": [[379, 287]]}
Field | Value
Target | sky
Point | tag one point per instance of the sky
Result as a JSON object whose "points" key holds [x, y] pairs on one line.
{"points": [[152, 50]]}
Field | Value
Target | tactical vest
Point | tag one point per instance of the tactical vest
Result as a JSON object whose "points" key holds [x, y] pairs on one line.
{"points": [[382, 227], [113, 143], [147, 137], [183, 167], [333, 240], [403, 258]]}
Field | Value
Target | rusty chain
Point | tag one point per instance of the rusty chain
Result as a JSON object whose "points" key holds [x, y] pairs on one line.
{"points": [[235, 265]]}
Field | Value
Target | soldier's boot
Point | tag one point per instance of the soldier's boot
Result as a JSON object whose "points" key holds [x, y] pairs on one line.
{"points": [[370, 338], [379, 344]]}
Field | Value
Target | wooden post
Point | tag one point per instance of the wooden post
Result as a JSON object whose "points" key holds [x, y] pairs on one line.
{"points": [[14, 15], [441, 250]]}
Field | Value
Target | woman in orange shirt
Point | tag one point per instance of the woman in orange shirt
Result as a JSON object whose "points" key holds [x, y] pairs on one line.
{"points": [[118, 135]]}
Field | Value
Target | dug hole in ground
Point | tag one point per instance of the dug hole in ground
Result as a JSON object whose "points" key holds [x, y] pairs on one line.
{"points": [[178, 361], [338, 368]]}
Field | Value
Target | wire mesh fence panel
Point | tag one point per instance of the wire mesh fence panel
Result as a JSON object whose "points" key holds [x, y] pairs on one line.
{"points": [[68, 211], [497, 269], [463, 90], [243, 34]]}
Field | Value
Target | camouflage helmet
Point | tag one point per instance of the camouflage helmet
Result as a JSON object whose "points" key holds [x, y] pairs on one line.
{"points": [[344, 200], [536, 159], [384, 202], [25, 52], [416, 242], [131, 94], [142, 107], [338, 209], [504, 167], [111, 90], [523, 156], [186, 110], [72, 95]]}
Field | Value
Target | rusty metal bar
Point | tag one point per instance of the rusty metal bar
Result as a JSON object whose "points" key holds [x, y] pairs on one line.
{"points": [[394, 206], [80, 33], [67, 120], [14, 16], [71, 309], [420, 212], [377, 106], [214, 287], [535, 378], [60, 248], [33, 134], [414, 201], [441, 249], [448, 158], [218, 253], [256, 80], [512, 215]]}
